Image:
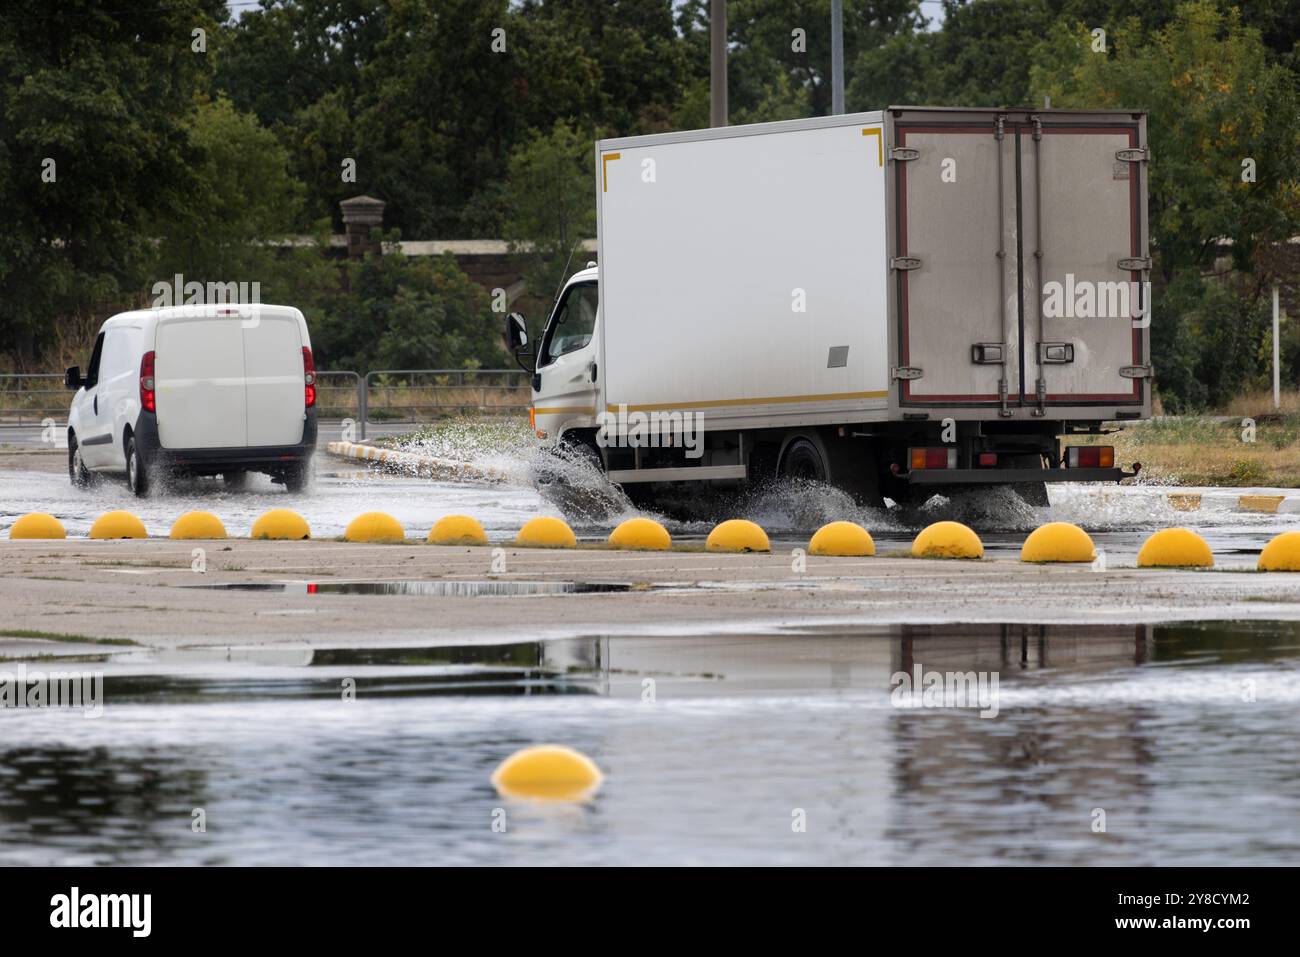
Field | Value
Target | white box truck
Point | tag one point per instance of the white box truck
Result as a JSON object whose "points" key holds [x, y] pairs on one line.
{"points": [[198, 390], [894, 302]]}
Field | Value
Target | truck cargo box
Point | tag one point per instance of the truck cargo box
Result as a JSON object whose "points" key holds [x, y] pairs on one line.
{"points": [[904, 264]]}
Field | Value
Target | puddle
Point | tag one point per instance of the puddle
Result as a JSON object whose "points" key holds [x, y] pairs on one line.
{"points": [[434, 589], [707, 741]]}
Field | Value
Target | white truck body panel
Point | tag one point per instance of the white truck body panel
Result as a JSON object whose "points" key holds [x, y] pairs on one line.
{"points": [[742, 272]]}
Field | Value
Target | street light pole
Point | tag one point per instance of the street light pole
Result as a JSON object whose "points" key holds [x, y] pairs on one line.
{"points": [[718, 62], [837, 57]]}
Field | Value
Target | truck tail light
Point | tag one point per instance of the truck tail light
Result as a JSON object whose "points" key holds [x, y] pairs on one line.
{"points": [[148, 397], [308, 378], [987, 460], [1090, 457], [932, 458]]}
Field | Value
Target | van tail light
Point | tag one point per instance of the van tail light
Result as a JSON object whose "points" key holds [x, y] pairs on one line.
{"points": [[941, 458], [988, 460], [308, 378], [148, 398], [1090, 457]]}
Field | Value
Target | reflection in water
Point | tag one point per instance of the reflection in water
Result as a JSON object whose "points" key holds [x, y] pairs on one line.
{"points": [[713, 746]]}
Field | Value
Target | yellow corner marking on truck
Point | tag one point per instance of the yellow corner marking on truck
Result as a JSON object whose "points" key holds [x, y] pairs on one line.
{"points": [[1259, 503], [565, 410], [1184, 501], [604, 169], [880, 143], [761, 400]]}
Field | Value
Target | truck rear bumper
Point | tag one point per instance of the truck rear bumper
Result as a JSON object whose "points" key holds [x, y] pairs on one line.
{"points": [[1011, 476]]}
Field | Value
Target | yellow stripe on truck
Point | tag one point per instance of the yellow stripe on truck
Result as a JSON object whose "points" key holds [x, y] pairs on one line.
{"points": [[565, 410], [761, 400]]}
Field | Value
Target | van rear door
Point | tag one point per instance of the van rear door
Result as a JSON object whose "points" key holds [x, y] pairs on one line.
{"points": [[199, 374], [233, 380], [273, 366]]}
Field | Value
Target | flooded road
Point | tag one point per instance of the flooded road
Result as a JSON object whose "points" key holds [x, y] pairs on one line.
{"points": [[789, 748]]}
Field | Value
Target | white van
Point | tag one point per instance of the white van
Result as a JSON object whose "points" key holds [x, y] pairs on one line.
{"points": [[198, 390]]}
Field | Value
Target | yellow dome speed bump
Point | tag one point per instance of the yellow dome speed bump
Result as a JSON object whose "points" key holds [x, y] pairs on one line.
{"points": [[1058, 542], [641, 533], [118, 524], [375, 527], [198, 525], [37, 525], [1281, 554], [546, 532], [547, 772], [947, 540], [1175, 548], [842, 538], [457, 530], [737, 535], [281, 524]]}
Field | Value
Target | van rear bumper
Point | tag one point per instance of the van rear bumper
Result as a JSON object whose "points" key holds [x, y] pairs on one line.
{"points": [[265, 458]]}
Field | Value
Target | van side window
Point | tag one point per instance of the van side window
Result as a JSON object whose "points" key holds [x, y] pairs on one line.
{"points": [[574, 322], [92, 371]]}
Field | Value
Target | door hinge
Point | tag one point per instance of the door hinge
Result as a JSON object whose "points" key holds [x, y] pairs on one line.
{"points": [[1137, 372], [903, 154], [1133, 154], [905, 372], [905, 263], [1135, 263]]}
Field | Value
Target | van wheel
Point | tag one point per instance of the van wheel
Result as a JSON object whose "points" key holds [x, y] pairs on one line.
{"points": [[296, 477], [137, 470], [803, 460], [81, 476], [235, 480]]}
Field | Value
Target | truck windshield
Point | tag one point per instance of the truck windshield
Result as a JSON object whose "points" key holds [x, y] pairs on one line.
{"points": [[574, 322]]}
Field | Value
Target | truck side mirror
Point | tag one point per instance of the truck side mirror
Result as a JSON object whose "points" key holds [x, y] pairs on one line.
{"points": [[516, 332], [72, 378], [517, 339]]}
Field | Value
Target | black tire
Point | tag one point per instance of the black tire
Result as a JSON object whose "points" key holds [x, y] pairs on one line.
{"points": [[78, 474], [138, 479], [235, 480], [297, 477], [1033, 493], [802, 459]]}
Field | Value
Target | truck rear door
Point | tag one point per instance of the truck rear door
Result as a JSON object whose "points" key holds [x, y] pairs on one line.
{"points": [[1017, 255]]}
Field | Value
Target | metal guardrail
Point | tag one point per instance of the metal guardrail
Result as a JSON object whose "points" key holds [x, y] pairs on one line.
{"points": [[22, 404], [392, 395], [421, 395]]}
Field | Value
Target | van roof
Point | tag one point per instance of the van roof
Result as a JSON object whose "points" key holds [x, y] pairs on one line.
{"points": [[211, 310]]}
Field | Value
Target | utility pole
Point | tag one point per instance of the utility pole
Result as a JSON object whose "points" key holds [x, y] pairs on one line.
{"points": [[1277, 371], [837, 57], [717, 62]]}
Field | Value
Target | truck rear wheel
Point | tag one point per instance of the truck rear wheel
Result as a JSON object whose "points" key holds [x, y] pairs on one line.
{"points": [[848, 464], [1034, 493], [803, 459]]}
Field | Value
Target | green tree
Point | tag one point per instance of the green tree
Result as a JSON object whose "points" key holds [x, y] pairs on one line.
{"points": [[1224, 132], [551, 206], [102, 95], [408, 313]]}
